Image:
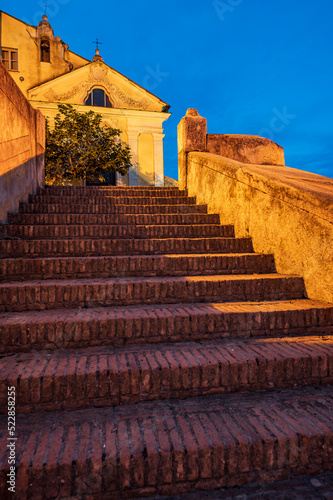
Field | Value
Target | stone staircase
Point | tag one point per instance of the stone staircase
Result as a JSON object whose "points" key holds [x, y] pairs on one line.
{"points": [[153, 353]]}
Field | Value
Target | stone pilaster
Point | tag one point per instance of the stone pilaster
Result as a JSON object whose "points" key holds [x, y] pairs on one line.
{"points": [[192, 136], [158, 159], [133, 172]]}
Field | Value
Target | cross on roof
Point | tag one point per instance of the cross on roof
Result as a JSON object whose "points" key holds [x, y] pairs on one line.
{"points": [[97, 43]]}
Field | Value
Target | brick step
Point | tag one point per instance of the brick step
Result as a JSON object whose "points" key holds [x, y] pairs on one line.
{"points": [[108, 376], [134, 265], [111, 190], [109, 199], [57, 294], [32, 208], [114, 218], [98, 247], [314, 487], [172, 447], [114, 231], [76, 328], [156, 209]]}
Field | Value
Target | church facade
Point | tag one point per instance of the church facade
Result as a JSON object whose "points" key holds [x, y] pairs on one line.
{"points": [[48, 74]]}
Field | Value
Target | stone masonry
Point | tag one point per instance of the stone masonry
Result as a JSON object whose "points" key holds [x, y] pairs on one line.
{"points": [[154, 353]]}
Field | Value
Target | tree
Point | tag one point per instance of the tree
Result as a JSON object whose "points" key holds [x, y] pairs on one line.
{"points": [[80, 147]]}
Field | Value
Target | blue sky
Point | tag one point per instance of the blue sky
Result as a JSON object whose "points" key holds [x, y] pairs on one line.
{"points": [[258, 67]]}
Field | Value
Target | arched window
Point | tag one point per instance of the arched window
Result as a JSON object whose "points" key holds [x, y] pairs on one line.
{"points": [[98, 97], [45, 49]]}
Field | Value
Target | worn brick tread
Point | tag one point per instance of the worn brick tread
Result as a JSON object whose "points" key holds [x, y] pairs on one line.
{"points": [[103, 376], [87, 208], [109, 199], [315, 487], [55, 294], [75, 328], [147, 208], [111, 190], [175, 446], [135, 265], [115, 231], [155, 209], [119, 246], [114, 218]]}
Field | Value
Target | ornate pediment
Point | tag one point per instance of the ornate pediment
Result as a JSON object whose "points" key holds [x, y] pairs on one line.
{"points": [[74, 87]]}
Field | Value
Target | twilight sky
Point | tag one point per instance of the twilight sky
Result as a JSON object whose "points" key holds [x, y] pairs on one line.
{"points": [[261, 67]]}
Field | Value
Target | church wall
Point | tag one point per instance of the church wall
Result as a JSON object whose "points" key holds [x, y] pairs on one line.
{"points": [[132, 123], [14, 35], [75, 59], [22, 146], [69, 78], [74, 89], [18, 35], [146, 160]]}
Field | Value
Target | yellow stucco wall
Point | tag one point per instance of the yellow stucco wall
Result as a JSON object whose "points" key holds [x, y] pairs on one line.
{"points": [[18, 35], [74, 87], [147, 154], [146, 160]]}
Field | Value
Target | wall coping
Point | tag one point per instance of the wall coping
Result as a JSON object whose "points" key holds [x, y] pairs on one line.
{"points": [[304, 190]]}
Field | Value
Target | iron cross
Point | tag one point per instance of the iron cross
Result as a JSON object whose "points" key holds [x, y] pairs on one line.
{"points": [[97, 43]]}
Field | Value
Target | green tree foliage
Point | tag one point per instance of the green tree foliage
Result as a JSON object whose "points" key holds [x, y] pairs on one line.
{"points": [[80, 147]]}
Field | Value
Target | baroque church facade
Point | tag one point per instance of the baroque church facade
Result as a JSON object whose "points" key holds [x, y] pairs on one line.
{"points": [[48, 74]]}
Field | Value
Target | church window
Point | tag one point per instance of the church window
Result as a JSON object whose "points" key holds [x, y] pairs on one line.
{"points": [[10, 59], [45, 49], [98, 97]]}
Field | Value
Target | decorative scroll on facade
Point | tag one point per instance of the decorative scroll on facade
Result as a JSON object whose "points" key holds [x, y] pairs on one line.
{"points": [[98, 76]]}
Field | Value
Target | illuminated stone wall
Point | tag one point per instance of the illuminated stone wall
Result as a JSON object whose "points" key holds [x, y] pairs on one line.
{"points": [[287, 212], [22, 146]]}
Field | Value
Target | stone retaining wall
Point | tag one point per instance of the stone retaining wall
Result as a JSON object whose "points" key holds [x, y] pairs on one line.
{"points": [[22, 146]]}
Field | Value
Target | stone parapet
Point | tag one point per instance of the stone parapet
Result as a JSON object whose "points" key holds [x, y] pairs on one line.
{"points": [[249, 149], [287, 212]]}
